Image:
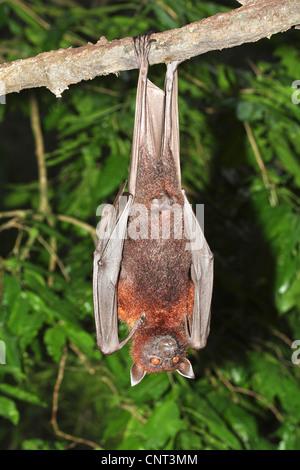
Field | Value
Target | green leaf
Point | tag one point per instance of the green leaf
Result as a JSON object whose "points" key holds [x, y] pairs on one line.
{"points": [[247, 111], [243, 424], [55, 339], [12, 289], [290, 298], [25, 14], [23, 322], [40, 444], [34, 280], [286, 154], [154, 387], [204, 413], [20, 394], [9, 410], [290, 436], [189, 440], [164, 423], [12, 352]]}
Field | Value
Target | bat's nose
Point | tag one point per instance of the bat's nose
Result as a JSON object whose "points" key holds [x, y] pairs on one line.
{"points": [[167, 346]]}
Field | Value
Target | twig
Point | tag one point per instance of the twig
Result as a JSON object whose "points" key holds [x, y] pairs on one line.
{"points": [[71, 220], [261, 165], [109, 383], [44, 24], [44, 207], [1, 279], [25, 252], [13, 223], [19, 213], [16, 213], [16, 248], [39, 151], [251, 393], [58, 432], [54, 257], [83, 358], [282, 336]]}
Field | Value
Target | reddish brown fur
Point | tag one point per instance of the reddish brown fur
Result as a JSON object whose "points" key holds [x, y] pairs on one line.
{"points": [[155, 275]]}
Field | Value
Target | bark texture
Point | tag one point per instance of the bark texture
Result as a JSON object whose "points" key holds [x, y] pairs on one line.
{"points": [[56, 70]]}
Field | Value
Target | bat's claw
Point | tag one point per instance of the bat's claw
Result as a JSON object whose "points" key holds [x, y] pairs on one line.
{"points": [[143, 318], [142, 44]]}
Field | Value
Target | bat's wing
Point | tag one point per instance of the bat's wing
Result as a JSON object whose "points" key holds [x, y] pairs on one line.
{"points": [[170, 136], [148, 121], [202, 276], [108, 221], [156, 123], [107, 263]]}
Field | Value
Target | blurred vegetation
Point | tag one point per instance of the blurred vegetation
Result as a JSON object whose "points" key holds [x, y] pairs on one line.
{"points": [[240, 152]]}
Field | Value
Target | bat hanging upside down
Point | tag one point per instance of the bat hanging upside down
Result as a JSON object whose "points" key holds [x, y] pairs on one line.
{"points": [[153, 269]]}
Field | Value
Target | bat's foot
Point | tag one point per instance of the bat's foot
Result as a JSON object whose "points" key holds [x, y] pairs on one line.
{"points": [[172, 66], [142, 45], [171, 70]]}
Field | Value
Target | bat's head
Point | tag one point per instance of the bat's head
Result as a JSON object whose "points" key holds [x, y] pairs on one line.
{"points": [[155, 351]]}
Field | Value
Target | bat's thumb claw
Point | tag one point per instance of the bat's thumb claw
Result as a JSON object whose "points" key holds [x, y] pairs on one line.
{"points": [[143, 318]]}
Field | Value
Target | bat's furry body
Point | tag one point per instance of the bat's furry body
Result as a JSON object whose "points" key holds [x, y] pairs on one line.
{"points": [[150, 280], [159, 284], [155, 273]]}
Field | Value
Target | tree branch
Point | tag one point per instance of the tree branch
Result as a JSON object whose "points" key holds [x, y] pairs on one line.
{"points": [[40, 155], [56, 70]]}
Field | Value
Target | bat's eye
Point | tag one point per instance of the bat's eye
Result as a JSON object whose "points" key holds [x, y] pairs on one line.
{"points": [[175, 359], [155, 361]]}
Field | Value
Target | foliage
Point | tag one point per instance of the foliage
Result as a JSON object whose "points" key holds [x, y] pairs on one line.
{"points": [[240, 156]]}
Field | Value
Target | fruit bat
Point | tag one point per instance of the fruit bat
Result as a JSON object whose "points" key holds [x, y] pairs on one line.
{"points": [[153, 268]]}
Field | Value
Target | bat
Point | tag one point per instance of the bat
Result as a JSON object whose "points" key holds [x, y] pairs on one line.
{"points": [[153, 268]]}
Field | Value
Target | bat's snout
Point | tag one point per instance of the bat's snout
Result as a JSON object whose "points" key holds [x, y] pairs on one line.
{"points": [[166, 346]]}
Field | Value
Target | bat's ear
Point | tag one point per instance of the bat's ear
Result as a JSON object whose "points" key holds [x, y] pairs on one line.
{"points": [[137, 373], [185, 369]]}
